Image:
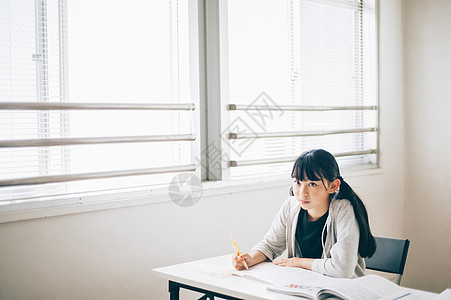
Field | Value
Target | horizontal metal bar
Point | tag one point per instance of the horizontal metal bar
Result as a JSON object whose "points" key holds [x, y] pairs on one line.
{"points": [[94, 106], [234, 136], [298, 107], [96, 175], [234, 163], [95, 140]]}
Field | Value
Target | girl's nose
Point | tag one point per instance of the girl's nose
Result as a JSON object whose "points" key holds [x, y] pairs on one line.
{"points": [[303, 191]]}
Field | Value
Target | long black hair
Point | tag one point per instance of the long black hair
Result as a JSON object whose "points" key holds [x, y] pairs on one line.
{"points": [[318, 164]]}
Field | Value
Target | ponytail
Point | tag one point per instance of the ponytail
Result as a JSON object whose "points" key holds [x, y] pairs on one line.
{"points": [[367, 244]]}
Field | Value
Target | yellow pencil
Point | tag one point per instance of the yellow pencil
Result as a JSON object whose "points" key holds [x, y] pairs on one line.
{"points": [[238, 252]]}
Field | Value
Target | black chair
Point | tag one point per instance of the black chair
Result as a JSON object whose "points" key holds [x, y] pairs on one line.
{"points": [[390, 256]]}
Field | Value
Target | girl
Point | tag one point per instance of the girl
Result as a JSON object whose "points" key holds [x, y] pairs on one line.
{"points": [[324, 230]]}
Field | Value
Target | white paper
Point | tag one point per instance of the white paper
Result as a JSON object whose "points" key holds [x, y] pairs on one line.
{"points": [[274, 274]]}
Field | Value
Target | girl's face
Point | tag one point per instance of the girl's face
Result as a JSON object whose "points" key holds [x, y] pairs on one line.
{"points": [[313, 194]]}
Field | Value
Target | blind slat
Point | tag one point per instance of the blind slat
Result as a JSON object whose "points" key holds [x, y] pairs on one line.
{"points": [[96, 175]]}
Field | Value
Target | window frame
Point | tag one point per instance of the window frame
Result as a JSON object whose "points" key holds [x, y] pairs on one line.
{"points": [[41, 44]]}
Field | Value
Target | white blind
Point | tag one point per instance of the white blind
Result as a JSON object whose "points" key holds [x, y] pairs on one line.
{"points": [[92, 51], [301, 53]]}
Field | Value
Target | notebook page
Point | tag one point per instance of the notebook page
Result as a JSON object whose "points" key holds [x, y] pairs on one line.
{"points": [[270, 273]]}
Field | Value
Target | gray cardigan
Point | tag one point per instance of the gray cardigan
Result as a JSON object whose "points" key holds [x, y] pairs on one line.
{"points": [[340, 256]]}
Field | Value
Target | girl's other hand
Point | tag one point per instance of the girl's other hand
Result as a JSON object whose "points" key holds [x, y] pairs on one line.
{"points": [[305, 263]]}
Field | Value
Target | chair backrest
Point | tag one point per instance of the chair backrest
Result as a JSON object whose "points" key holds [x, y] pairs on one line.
{"points": [[390, 256]]}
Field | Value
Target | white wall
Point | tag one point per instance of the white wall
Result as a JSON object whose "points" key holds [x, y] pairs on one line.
{"points": [[427, 40], [109, 254]]}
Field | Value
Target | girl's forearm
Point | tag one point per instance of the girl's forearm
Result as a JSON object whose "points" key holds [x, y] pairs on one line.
{"points": [[257, 257]]}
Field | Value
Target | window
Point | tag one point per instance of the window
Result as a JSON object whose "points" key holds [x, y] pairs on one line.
{"points": [[301, 75], [124, 71], [101, 97]]}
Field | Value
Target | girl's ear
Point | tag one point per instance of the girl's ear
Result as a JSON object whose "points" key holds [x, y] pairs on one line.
{"points": [[334, 185]]}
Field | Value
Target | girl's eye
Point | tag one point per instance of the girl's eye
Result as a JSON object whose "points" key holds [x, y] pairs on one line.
{"points": [[312, 184], [297, 182]]}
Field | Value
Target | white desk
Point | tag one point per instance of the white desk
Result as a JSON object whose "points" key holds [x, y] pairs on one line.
{"points": [[213, 277]]}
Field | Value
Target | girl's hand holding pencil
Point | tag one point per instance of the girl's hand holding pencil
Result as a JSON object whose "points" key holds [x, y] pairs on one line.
{"points": [[239, 260], [244, 261]]}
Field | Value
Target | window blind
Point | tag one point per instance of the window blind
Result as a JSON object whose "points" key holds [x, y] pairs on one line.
{"points": [[93, 90], [302, 74]]}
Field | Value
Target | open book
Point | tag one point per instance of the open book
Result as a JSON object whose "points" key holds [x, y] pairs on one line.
{"points": [[312, 285], [369, 287]]}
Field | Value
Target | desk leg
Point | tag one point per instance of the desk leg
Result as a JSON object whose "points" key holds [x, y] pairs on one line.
{"points": [[174, 290]]}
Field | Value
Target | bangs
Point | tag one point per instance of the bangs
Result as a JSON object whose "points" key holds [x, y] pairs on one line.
{"points": [[305, 168]]}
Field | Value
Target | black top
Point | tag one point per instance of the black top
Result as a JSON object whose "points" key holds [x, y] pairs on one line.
{"points": [[308, 235]]}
